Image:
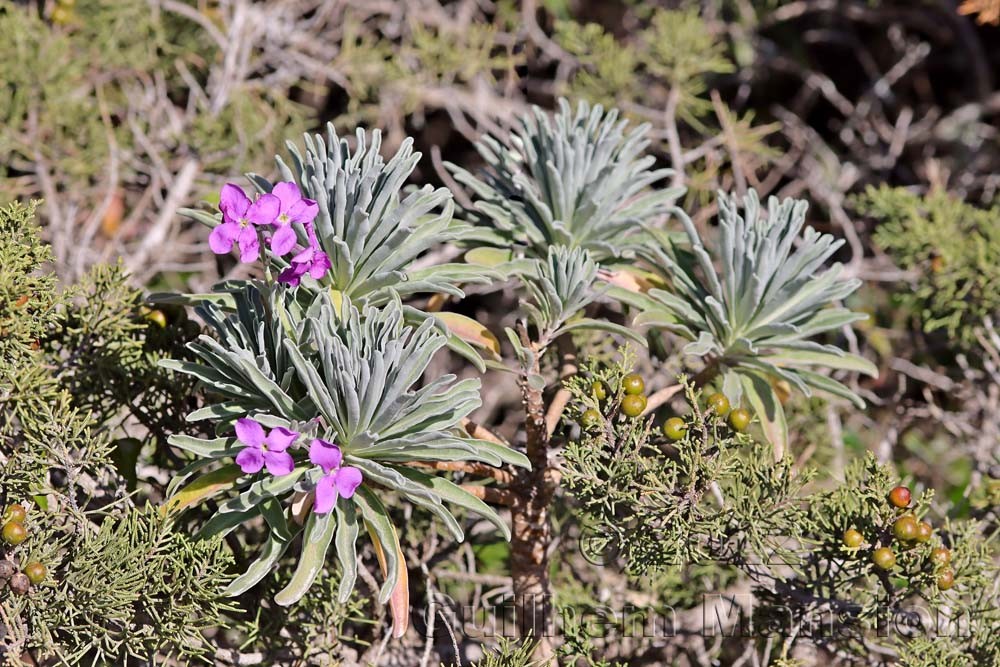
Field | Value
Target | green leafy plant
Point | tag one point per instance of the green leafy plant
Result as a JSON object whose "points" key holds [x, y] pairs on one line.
{"points": [[751, 307], [681, 50], [300, 358], [715, 496], [27, 294], [352, 385], [578, 179], [371, 232], [658, 507], [369, 229], [559, 288]]}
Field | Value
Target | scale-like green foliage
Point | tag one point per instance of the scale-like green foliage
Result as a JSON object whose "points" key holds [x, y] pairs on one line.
{"points": [[953, 250], [130, 588], [658, 509], [608, 72], [121, 584], [64, 82], [717, 497], [27, 292], [425, 55], [677, 50], [681, 49], [510, 653], [751, 307], [578, 179]]}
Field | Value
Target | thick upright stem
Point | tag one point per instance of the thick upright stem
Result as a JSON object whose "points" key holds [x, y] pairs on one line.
{"points": [[532, 532]]}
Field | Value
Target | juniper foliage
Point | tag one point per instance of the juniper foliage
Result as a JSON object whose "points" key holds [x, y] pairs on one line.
{"points": [[718, 497], [122, 584], [951, 248], [107, 50]]}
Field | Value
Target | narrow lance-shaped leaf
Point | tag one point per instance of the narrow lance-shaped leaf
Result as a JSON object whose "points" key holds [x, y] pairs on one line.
{"points": [[316, 539], [203, 487]]}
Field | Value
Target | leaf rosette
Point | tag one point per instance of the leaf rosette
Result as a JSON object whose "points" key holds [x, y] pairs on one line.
{"points": [[349, 379], [752, 307]]}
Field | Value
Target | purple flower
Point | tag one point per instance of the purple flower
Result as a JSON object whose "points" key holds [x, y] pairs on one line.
{"points": [[264, 450], [294, 208], [311, 260], [238, 216], [336, 480]]}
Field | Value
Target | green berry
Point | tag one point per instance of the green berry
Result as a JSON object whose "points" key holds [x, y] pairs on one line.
{"points": [[597, 387], [590, 419], [633, 384], [156, 317], [739, 419], [62, 15], [674, 428], [719, 404], [941, 556], [36, 572], [884, 558], [633, 405], [14, 533], [16, 513], [924, 531], [853, 539], [905, 528]]}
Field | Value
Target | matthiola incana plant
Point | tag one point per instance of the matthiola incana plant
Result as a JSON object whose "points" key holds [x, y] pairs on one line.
{"points": [[325, 418], [753, 307], [578, 179], [316, 367], [343, 424], [341, 222], [371, 230]]}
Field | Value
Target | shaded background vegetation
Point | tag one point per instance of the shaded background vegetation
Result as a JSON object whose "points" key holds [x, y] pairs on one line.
{"points": [[883, 115]]}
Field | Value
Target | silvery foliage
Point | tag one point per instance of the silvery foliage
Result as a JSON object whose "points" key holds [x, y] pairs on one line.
{"points": [[369, 229], [372, 232], [575, 179], [752, 306], [346, 375], [246, 363], [559, 288]]}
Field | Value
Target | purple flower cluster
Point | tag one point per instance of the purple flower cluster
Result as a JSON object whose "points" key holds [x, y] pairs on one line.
{"points": [[264, 449], [337, 480], [276, 211], [269, 450]]}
